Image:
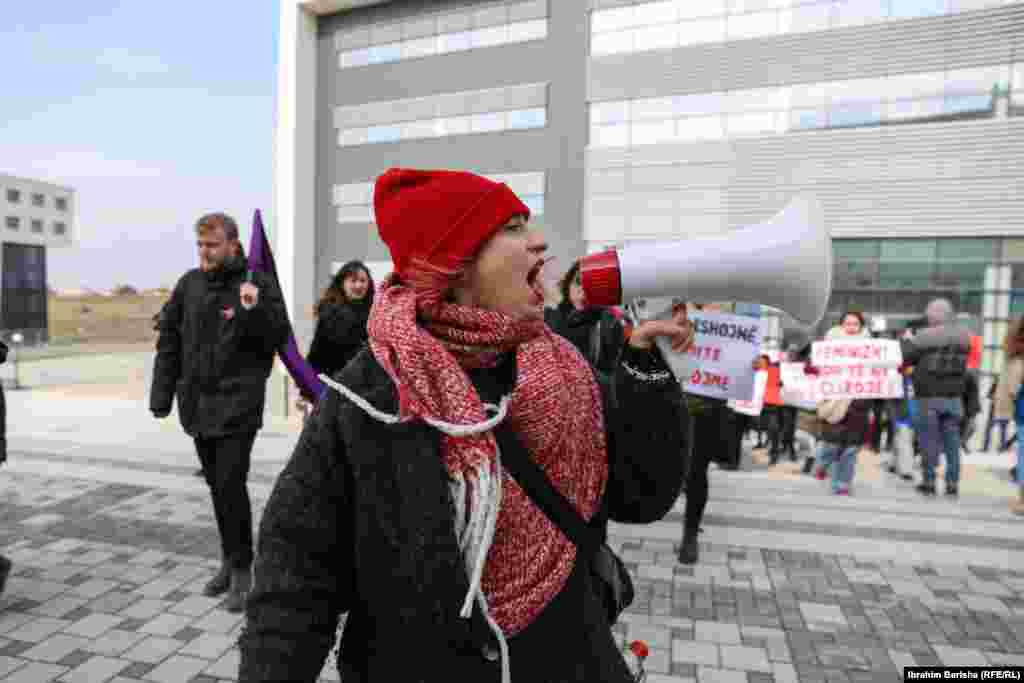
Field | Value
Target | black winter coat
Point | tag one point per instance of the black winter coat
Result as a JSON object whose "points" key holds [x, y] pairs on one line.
{"points": [[852, 430], [578, 327], [361, 520], [3, 409], [215, 356], [340, 333], [939, 356]]}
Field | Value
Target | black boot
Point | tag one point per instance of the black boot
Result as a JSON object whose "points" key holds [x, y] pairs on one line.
{"points": [[926, 488], [808, 465], [220, 582], [241, 582], [689, 551], [952, 490], [5, 569]]}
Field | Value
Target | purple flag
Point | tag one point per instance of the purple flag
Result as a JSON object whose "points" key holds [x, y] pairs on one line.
{"points": [[261, 259]]}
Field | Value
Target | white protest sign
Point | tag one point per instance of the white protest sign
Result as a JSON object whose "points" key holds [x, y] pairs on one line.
{"points": [[721, 362], [754, 406], [797, 388], [856, 351]]}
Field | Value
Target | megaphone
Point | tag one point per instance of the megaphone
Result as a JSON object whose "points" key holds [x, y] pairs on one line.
{"points": [[784, 262]]}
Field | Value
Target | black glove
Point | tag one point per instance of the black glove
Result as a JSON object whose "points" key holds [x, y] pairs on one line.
{"points": [[161, 414]]}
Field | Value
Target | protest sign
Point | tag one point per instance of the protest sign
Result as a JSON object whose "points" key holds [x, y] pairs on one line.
{"points": [[754, 406], [848, 368], [798, 389], [720, 363], [856, 351]]}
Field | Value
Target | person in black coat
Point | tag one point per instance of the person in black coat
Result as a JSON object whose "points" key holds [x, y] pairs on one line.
{"points": [[5, 564], [218, 335], [393, 507], [341, 317], [594, 330]]}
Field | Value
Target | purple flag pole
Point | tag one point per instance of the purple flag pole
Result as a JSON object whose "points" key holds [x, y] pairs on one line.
{"points": [[261, 259]]}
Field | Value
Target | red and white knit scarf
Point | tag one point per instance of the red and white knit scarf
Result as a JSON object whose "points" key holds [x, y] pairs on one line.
{"points": [[555, 409]]}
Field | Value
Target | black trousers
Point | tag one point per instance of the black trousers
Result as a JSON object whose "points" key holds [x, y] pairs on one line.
{"points": [[785, 435], [707, 439], [226, 463]]}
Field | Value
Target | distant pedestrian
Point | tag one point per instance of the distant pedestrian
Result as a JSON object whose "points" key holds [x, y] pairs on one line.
{"points": [[1009, 401], [218, 336], [938, 354], [341, 317], [5, 564]]}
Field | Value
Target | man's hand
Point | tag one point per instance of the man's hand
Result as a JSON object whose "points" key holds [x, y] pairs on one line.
{"points": [[250, 295], [161, 414], [678, 329]]}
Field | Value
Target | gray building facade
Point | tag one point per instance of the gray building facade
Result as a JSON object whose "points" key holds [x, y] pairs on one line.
{"points": [[627, 120]]}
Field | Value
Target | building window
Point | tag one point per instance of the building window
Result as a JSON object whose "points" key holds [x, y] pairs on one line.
{"points": [[60, 228], [488, 122], [438, 35], [38, 199], [913, 98], [13, 222], [667, 24], [61, 203], [14, 196], [37, 225], [24, 287]]}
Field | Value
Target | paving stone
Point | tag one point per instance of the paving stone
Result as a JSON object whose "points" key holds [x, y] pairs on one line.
{"points": [[96, 669], [35, 672], [176, 669], [115, 642], [153, 650], [691, 652], [93, 625], [708, 631], [54, 648]]}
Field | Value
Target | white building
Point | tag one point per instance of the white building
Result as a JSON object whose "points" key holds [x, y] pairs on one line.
{"points": [[35, 215], [633, 119]]}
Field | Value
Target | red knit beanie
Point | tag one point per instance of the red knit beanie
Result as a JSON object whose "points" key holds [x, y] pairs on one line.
{"points": [[441, 217]]}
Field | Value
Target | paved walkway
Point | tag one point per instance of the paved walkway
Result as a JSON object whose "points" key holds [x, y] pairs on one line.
{"points": [[112, 539]]}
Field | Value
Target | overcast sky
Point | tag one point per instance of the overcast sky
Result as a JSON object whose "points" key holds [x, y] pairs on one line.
{"points": [[154, 112]]}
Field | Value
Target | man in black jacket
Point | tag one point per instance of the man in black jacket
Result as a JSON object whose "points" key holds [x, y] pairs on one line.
{"points": [[938, 354], [218, 335]]}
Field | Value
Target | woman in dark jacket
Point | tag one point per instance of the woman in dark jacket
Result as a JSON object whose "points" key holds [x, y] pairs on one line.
{"points": [[394, 506], [594, 330], [5, 564], [341, 317]]}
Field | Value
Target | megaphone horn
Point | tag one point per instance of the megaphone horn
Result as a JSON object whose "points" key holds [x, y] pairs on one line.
{"points": [[784, 262]]}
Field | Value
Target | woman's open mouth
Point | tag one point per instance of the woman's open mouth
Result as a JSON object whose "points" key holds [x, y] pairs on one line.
{"points": [[536, 282]]}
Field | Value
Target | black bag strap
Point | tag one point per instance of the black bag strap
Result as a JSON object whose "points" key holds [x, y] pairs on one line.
{"points": [[535, 482]]}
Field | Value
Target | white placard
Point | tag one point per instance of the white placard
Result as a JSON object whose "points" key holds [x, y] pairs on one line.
{"points": [[755, 405], [834, 382], [856, 351], [721, 362]]}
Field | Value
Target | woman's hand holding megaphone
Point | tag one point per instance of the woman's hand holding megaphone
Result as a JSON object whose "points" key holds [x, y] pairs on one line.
{"points": [[678, 329]]}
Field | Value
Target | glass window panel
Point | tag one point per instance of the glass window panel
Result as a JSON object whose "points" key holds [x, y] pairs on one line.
{"points": [[841, 302], [742, 6], [753, 25], [688, 9], [455, 42], [754, 123], [650, 13], [381, 54], [526, 118], [454, 125], [856, 249], [975, 81], [909, 250], [350, 137], [909, 9], [653, 132], [859, 12], [535, 203], [855, 114], [961, 275], [611, 43], [959, 104], [355, 214], [522, 31], [807, 119], [921, 85], [1017, 79], [848, 274], [764, 99], [652, 108], [13, 222], [414, 130], [609, 112], [700, 103], [700, 128], [615, 19], [657, 37], [613, 135], [803, 18], [808, 95], [1013, 250], [907, 303], [486, 123], [489, 37], [981, 249], [420, 47], [702, 31], [903, 110], [376, 134], [354, 58]]}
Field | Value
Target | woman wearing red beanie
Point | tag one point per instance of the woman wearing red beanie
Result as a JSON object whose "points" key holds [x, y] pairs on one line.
{"points": [[395, 507]]}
